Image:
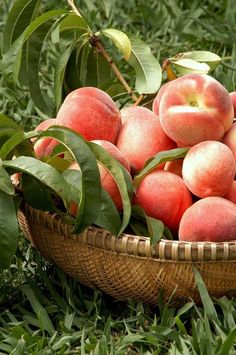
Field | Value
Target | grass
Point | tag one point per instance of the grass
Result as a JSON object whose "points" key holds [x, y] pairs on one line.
{"points": [[43, 311]]}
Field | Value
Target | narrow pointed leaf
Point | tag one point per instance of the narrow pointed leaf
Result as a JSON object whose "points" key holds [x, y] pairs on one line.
{"points": [[90, 202], [160, 158], [15, 140], [108, 217], [5, 182], [147, 68], [155, 226], [74, 22], [8, 123], [206, 300], [120, 40], [114, 168], [37, 194], [8, 229], [18, 19], [43, 172]]}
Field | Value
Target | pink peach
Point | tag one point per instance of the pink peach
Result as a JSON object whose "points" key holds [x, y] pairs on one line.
{"points": [[209, 169], [163, 196], [210, 219], [195, 108], [142, 137]]}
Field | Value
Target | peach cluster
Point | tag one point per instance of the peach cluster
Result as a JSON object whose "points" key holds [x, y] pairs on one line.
{"points": [[195, 197]]}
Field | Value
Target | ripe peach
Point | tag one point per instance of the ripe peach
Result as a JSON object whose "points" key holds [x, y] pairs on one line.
{"points": [[230, 139], [141, 137], [209, 169], [231, 194], [233, 99], [210, 219], [195, 108], [174, 166], [92, 113], [164, 196], [44, 146], [157, 100]]}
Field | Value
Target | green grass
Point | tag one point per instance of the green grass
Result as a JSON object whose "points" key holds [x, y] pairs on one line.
{"points": [[43, 311]]}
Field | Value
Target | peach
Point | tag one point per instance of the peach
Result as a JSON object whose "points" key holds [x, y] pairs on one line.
{"points": [[157, 100], [230, 139], [233, 99], [44, 146], [210, 219], [208, 169], [195, 108], [92, 113], [142, 137], [231, 194], [174, 166], [163, 196]]}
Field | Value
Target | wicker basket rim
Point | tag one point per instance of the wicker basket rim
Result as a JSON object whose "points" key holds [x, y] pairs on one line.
{"points": [[166, 250]]}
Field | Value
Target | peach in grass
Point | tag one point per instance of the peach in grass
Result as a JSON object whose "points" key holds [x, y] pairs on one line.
{"points": [[164, 196], [195, 108], [142, 137], [210, 219], [233, 99], [209, 169]]}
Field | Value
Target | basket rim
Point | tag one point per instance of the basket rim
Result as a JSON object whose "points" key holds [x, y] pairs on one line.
{"points": [[129, 244]]}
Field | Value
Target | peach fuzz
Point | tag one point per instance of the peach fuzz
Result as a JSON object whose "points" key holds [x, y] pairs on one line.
{"points": [[92, 113], [141, 137], [163, 196], [210, 219], [174, 166], [44, 146], [230, 139], [208, 169], [195, 108], [233, 99]]}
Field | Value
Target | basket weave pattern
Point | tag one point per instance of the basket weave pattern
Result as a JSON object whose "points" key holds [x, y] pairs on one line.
{"points": [[128, 266]]}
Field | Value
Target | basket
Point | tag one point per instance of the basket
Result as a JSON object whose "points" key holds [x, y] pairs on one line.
{"points": [[128, 266]]}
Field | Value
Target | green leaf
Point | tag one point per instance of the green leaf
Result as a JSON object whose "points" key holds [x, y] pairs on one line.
{"points": [[43, 172], [115, 169], [209, 58], [229, 343], [8, 123], [60, 74], [8, 229], [206, 300], [18, 19], [189, 66], [5, 182], [147, 68], [74, 22], [159, 158], [155, 226], [15, 140], [37, 194], [108, 218], [74, 180], [90, 201], [39, 310], [120, 40]]}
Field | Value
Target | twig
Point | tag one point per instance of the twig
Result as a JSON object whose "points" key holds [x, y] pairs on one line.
{"points": [[96, 42]]}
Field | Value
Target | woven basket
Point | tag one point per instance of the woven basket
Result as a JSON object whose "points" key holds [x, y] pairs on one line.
{"points": [[128, 267]]}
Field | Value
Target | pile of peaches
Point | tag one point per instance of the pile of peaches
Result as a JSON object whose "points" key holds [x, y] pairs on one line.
{"points": [[195, 197]]}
